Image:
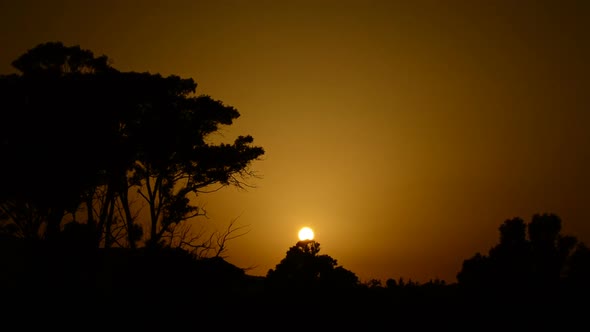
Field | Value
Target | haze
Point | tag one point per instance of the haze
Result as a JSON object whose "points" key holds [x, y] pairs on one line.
{"points": [[402, 133]]}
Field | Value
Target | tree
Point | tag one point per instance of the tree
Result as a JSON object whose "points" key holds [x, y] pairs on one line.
{"points": [[303, 269], [577, 275], [88, 141], [54, 135], [530, 263]]}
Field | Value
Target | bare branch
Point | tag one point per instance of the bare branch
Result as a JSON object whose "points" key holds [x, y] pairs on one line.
{"points": [[229, 234]]}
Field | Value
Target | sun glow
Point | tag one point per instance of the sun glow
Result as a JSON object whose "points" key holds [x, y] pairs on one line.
{"points": [[305, 233]]}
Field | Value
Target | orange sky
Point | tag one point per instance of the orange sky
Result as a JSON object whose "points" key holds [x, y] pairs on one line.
{"points": [[404, 133]]}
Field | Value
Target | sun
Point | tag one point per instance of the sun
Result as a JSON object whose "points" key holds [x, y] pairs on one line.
{"points": [[305, 233]]}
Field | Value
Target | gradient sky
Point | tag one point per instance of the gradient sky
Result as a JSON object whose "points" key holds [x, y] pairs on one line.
{"points": [[403, 132]]}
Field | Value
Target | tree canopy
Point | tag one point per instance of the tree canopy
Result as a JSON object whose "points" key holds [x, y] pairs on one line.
{"points": [[83, 142], [304, 269], [532, 261]]}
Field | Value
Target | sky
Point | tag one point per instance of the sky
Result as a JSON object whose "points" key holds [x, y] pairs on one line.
{"points": [[404, 133]]}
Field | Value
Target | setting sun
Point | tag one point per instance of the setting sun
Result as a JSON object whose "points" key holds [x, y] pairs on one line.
{"points": [[305, 233]]}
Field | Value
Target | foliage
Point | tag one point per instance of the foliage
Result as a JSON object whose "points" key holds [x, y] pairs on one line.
{"points": [[90, 144], [304, 268], [533, 261]]}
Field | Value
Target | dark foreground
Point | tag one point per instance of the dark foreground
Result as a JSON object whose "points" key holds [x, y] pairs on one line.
{"points": [[97, 290]]}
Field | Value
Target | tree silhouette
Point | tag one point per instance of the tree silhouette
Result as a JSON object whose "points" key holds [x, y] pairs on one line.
{"points": [[530, 263], [534, 278], [96, 158], [54, 136], [577, 274], [87, 141], [304, 269], [53, 58]]}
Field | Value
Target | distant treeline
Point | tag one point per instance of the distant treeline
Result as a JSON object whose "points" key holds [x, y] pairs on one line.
{"points": [[533, 277]]}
